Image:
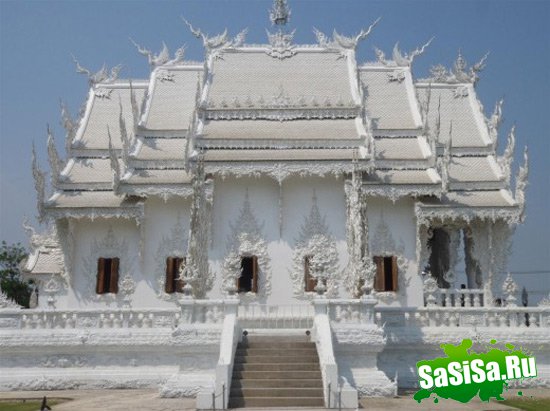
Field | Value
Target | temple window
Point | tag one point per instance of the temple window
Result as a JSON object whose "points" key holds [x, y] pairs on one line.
{"points": [[173, 284], [107, 275], [248, 281], [386, 273]]}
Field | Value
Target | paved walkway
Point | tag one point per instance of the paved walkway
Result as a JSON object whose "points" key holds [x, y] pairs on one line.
{"points": [[148, 400]]}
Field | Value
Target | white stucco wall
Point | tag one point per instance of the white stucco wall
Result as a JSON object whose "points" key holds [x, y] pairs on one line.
{"points": [[401, 222], [297, 193]]}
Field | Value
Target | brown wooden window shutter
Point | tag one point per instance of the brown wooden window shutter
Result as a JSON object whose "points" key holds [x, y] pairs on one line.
{"points": [[100, 285], [113, 286], [379, 278], [254, 274], [394, 270], [169, 281]]}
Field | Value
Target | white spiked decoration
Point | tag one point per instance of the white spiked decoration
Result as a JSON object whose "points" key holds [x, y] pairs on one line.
{"points": [[406, 60], [350, 43], [115, 166], [39, 185], [154, 60], [69, 125], [505, 161], [101, 76], [521, 184], [53, 157], [495, 121]]}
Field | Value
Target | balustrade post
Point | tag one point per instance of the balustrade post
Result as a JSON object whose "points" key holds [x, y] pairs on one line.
{"points": [[368, 302]]}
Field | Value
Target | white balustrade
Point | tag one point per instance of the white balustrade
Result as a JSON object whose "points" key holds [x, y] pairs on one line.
{"points": [[201, 312], [463, 297], [436, 316], [275, 316]]}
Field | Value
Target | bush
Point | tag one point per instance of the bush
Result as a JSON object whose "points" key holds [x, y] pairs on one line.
{"points": [[11, 281]]}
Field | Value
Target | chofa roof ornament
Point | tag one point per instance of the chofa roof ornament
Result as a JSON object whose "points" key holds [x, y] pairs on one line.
{"points": [[163, 58], [400, 59], [101, 76], [460, 73], [342, 42]]}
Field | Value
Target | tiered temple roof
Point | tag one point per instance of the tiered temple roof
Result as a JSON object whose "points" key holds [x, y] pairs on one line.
{"points": [[280, 109]]}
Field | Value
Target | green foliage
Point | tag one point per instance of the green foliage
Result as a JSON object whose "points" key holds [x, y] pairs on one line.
{"points": [[11, 281]]}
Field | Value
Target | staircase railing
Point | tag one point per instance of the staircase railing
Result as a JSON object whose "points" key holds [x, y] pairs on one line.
{"points": [[224, 368], [322, 335]]}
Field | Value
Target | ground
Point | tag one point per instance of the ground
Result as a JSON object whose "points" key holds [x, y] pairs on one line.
{"points": [[122, 400]]}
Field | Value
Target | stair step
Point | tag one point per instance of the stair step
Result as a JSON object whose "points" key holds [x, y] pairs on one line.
{"points": [[267, 367], [276, 402], [276, 392], [276, 351], [276, 345], [277, 338], [275, 375], [276, 359], [275, 383]]}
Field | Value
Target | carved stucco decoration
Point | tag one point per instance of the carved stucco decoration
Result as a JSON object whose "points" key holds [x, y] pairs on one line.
{"points": [[174, 245], [315, 240], [215, 46], [246, 239], [101, 76], [281, 44], [494, 122], [505, 161], [52, 288], [510, 288], [454, 245], [400, 59], [279, 171], [395, 193], [39, 185], [426, 215], [163, 57], [492, 242], [383, 245], [459, 73], [165, 75], [360, 265], [108, 247], [340, 42], [197, 268]]}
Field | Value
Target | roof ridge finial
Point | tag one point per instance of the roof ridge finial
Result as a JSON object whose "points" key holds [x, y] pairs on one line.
{"points": [[279, 13]]}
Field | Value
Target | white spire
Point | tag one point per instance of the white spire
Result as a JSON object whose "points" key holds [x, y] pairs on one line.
{"points": [[279, 13]]}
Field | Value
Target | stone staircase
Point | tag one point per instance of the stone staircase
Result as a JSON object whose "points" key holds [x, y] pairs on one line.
{"points": [[276, 371]]}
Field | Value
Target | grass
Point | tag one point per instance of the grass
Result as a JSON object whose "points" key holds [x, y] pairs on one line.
{"points": [[25, 405], [527, 404]]}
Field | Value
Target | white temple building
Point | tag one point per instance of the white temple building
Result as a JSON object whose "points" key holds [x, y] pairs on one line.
{"points": [[271, 189]]}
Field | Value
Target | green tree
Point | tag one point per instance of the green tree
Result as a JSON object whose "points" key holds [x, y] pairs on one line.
{"points": [[11, 281]]}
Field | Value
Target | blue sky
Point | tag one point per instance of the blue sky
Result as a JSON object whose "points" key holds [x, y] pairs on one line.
{"points": [[36, 70]]}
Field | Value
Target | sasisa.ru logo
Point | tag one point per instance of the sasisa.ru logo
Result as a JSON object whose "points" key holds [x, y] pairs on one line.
{"points": [[464, 374]]}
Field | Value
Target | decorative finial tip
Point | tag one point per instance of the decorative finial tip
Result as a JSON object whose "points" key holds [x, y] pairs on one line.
{"points": [[279, 13]]}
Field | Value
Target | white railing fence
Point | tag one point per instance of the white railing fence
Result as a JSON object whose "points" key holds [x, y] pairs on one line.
{"points": [[449, 297], [435, 316], [275, 316]]}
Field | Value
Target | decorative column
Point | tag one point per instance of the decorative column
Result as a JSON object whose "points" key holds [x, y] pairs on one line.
{"points": [[473, 271]]}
